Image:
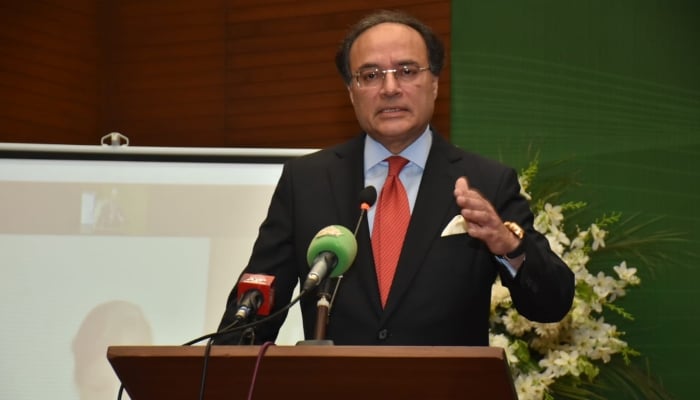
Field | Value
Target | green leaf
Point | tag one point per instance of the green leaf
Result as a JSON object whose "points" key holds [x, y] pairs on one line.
{"points": [[619, 310]]}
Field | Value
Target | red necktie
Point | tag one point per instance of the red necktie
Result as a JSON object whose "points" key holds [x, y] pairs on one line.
{"points": [[390, 224]]}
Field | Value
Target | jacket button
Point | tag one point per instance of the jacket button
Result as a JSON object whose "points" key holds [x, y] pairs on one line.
{"points": [[383, 334]]}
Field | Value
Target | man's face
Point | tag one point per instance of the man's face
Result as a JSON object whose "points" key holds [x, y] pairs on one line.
{"points": [[395, 112]]}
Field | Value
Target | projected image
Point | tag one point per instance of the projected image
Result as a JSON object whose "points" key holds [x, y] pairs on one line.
{"points": [[112, 209]]}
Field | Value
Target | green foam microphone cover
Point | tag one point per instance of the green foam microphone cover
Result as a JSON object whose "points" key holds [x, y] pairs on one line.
{"points": [[335, 239]]}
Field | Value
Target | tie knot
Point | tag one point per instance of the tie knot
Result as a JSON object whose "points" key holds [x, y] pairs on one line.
{"points": [[396, 164]]}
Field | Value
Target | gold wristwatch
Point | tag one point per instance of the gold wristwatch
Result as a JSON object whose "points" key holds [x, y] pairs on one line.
{"points": [[520, 234]]}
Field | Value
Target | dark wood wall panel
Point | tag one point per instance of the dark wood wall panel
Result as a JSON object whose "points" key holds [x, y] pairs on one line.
{"points": [[48, 71], [227, 73], [168, 59], [282, 57]]}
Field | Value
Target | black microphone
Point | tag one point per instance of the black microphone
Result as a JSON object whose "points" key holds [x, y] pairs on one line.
{"points": [[249, 304], [367, 197], [255, 295]]}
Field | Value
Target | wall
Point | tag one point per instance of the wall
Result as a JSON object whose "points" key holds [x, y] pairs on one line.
{"points": [[611, 89], [48, 71], [211, 73]]}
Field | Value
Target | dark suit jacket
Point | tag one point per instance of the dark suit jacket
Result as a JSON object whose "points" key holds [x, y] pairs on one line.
{"points": [[442, 288]]}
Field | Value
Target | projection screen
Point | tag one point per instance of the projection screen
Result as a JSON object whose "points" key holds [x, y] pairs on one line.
{"points": [[104, 245]]}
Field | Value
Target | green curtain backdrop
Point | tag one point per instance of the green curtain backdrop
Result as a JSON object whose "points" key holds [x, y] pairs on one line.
{"points": [[613, 87]]}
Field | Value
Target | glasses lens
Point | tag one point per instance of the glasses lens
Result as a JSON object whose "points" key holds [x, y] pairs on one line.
{"points": [[372, 77], [407, 73]]}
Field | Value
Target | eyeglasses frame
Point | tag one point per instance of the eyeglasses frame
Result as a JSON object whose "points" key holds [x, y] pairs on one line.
{"points": [[356, 75]]}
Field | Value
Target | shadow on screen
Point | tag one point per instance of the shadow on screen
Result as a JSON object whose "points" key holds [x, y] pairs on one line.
{"points": [[108, 324]]}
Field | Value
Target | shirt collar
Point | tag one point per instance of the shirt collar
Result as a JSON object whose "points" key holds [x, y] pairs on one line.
{"points": [[416, 152]]}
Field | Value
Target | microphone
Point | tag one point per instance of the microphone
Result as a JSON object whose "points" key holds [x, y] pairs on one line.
{"points": [[255, 295], [332, 249], [368, 196]]}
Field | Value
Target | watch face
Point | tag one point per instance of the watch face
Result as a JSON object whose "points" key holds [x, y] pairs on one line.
{"points": [[515, 228]]}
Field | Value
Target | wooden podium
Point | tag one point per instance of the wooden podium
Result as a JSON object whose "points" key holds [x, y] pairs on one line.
{"points": [[322, 372]]}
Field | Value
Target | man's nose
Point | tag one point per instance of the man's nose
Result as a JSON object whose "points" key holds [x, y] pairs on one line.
{"points": [[390, 85]]}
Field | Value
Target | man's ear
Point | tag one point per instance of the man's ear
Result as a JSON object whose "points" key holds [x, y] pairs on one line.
{"points": [[435, 87], [352, 99]]}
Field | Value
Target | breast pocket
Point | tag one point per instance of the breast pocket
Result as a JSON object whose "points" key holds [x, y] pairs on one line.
{"points": [[463, 259]]}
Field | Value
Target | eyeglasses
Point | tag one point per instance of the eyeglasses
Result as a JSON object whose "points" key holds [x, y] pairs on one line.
{"points": [[373, 77]]}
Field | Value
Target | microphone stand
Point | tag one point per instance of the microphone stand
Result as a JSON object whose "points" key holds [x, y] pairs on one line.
{"points": [[322, 310], [368, 196]]}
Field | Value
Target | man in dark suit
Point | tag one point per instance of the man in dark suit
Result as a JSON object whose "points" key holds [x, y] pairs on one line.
{"points": [[440, 292]]}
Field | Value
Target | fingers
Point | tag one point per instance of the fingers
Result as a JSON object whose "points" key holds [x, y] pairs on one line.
{"points": [[474, 207], [466, 198], [462, 184], [461, 191], [484, 222]]}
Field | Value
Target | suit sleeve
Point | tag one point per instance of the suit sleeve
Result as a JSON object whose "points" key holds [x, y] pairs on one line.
{"points": [[543, 288]]}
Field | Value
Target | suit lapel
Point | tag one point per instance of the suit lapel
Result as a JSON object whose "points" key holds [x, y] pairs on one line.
{"points": [[346, 180], [435, 200], [349, 167]]}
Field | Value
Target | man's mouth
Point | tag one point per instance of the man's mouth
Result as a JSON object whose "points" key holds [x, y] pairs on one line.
{"points": [[391, 110]]}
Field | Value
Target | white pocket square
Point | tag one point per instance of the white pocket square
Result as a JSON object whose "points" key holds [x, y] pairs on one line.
{"points": [[457, 226]]}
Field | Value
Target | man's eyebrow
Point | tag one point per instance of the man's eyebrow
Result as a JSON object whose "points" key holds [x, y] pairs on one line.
{"points": [[399, 64], [408, 62], [367, 66]]}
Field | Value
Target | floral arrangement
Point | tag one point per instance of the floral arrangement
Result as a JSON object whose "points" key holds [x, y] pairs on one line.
{"points": [[564, 359]]}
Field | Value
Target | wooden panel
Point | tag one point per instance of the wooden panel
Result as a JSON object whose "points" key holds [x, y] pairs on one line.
{"points": [[166, 87], [48, 71], [183, 73], [282, 74]]}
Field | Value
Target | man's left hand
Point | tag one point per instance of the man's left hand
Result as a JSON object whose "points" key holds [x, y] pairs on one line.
{"points": [[483, 221]]}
